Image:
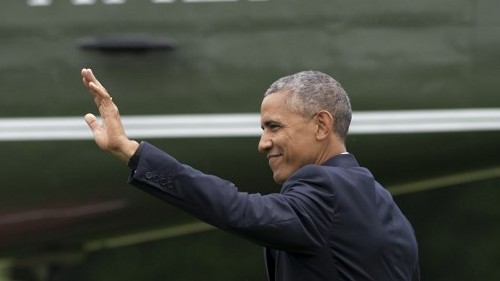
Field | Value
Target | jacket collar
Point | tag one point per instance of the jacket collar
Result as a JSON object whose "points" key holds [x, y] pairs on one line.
{"points": [[342, 160]]}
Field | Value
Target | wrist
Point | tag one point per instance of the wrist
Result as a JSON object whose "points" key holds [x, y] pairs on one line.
{"points": [[127, 150]]}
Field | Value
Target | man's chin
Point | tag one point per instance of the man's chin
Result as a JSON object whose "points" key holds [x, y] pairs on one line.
{"points": [[278, 179]]}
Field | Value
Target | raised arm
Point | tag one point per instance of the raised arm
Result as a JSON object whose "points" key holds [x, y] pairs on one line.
{"points": [[109, 133]]}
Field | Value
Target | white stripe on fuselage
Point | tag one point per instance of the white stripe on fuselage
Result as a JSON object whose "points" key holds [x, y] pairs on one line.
{"points": [[248, 125], [40, 3]]}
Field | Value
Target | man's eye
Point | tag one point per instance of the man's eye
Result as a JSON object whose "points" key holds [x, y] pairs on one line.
{"points": [[274, 127], [271, 126]]}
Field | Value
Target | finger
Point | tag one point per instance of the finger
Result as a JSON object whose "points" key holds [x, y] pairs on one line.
{"points": [[85, 77], [101, 97], [92, 122], [90, 77], [85, 83], [98, 91]]}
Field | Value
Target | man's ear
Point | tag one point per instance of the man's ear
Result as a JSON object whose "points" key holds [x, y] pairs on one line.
{"points": [[325, 124]]}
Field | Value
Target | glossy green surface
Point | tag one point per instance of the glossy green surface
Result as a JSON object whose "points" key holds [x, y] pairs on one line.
{"points": [[396, 55]]}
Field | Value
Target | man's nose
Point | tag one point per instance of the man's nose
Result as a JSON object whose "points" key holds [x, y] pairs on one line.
{"points": [[265, 143]]}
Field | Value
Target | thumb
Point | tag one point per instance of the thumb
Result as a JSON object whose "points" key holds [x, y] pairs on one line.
{"points": [[92, 121]]}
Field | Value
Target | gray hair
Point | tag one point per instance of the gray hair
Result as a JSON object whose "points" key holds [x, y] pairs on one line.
{"points": [[309, 92]]}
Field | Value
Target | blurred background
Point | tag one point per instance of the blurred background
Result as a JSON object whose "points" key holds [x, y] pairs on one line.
{"points": [[189, 75]]}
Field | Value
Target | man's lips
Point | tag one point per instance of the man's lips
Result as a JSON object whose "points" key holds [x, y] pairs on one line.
{"points": [[270, 156]]}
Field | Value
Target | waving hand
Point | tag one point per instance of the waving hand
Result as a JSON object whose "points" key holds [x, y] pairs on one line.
{"points": [[109, 134]]}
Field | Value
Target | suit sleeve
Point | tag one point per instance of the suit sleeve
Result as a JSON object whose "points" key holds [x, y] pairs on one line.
{"points": [[280, 221]]}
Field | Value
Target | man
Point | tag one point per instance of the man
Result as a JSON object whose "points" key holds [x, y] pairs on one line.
{"points": [[331, 220]]}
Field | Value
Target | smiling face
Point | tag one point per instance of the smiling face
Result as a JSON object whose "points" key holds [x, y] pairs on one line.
{"points": [[288, 139]]}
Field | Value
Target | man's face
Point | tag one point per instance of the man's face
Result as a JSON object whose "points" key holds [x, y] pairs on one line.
{"points": [[288, 139]]}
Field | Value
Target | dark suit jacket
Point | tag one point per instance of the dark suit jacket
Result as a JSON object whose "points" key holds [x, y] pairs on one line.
{"points": [[329, 222]]}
